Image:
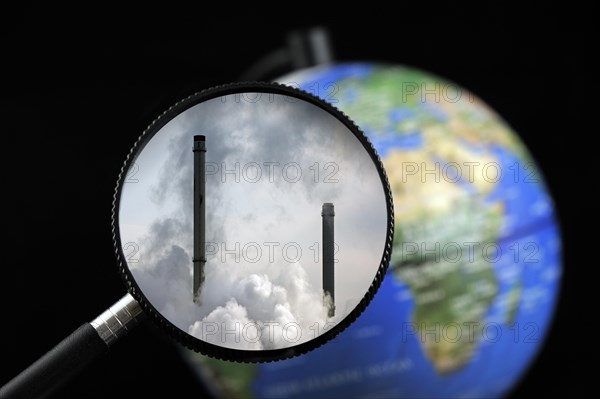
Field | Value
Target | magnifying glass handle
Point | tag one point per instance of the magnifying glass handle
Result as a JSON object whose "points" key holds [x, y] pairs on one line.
{"points": [[75, 352]]}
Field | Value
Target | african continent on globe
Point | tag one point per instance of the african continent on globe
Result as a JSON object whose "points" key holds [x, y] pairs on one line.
{"points": [[476, 261]]}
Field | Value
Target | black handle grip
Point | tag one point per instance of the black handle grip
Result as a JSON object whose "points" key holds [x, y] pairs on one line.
{"points": [[65, 360]]}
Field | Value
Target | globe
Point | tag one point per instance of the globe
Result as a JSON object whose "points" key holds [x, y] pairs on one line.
{"points": [[476, 262]]}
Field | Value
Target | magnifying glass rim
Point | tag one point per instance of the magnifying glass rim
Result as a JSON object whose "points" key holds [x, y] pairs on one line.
{"points": [[185, 338]]}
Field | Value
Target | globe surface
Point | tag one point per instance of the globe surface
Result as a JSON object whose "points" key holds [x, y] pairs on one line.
{"points": [[476, 263]]}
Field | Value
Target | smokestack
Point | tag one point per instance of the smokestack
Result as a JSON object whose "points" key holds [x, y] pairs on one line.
{"points": [[328, 250], [199, 214]]}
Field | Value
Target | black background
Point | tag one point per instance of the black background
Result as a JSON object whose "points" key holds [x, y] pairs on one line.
{"points": [[77, 90]]}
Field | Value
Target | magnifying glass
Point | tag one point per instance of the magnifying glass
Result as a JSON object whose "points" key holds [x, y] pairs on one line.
{"points": [[252, 222]]}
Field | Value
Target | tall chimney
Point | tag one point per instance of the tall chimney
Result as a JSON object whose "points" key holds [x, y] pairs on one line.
{"points": [[328, 251], [199, 214]]}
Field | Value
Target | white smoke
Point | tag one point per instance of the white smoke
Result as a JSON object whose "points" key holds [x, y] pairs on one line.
{"points": [[263, 312], [262, 285], [242, 306]]}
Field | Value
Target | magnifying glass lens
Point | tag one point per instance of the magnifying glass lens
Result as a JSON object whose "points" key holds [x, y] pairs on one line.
{"points": [[253, 219]]}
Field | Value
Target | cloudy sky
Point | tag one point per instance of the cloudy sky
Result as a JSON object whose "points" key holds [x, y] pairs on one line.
{"points": [[285, 159]]}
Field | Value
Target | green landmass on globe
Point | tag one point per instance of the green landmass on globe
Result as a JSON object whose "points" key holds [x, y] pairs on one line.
{"points": [[431, 210]]}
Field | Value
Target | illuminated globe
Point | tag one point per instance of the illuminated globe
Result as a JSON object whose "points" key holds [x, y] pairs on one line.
{"points": [[476, 261]]}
